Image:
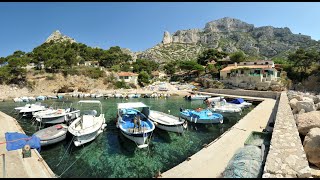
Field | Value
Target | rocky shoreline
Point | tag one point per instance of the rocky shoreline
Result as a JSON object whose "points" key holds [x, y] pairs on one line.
{"points": [[8, 93], [306, 110]]}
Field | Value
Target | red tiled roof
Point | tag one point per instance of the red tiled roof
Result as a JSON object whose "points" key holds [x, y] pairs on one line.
{"points": [[127, 74], [228, 68]]}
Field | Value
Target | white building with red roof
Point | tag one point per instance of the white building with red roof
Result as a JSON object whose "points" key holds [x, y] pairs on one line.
{"points": [[128, 77]]}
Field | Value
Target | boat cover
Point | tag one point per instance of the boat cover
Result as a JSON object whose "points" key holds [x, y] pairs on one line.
{"points": [[16, 141], [237, 101]]}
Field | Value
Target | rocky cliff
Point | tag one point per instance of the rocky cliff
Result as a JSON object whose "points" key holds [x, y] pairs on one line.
{"points": [[230, 35], [58, 37]]}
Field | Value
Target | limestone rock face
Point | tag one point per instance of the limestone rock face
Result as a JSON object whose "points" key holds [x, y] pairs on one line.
{"points": [[166, 38], [307, 121], [58, 37], [311, 145], [229, 35]]}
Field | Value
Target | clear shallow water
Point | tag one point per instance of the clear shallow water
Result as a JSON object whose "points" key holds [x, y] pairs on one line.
{"points": [[113, 155]]}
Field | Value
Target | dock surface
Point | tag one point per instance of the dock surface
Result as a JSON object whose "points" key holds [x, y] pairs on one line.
{"points": [[15, 165], [211, 161]]}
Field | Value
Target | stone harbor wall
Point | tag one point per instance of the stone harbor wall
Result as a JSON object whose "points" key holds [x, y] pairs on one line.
{"points": [[241, 92], [286, 157], [306, 109]]}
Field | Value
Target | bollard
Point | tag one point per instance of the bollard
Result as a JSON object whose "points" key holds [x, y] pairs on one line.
{"points": [[4, 165]]}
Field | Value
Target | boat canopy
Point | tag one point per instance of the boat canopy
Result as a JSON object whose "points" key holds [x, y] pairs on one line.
{"points": [[131, 105], [237, 101]]}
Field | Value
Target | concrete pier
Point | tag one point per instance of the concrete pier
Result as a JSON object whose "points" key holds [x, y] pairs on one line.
{"points": [[15, 165], [211, 161]]}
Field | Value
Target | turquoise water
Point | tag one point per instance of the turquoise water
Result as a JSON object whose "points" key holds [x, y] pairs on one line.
{"points": [[113, 155]]}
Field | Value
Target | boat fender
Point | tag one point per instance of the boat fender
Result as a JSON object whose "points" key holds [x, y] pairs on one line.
{"points": [[155, 123], [58, 126], [198, 109]]}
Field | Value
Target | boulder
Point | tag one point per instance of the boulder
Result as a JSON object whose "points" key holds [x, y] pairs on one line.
{"points": [[302, 111], [316, 99], [307, 105], [311, 146], [317, 106], [275, 88], [293, 103], [307, 121]]}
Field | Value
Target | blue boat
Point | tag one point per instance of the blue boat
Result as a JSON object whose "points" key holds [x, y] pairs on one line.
{"points": [[40, 98], [128, 116], [60, 96], [201, 116]]}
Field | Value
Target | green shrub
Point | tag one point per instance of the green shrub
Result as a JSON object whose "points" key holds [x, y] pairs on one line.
{"points": [[51, 77], [121, 84], [93, 73]]}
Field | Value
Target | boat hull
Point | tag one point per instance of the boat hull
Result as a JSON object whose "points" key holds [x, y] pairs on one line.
{"points": [[203, 121], [59, 119], [53, 141], [82, 139], [53, 134], [179, 128], [139, 139]]}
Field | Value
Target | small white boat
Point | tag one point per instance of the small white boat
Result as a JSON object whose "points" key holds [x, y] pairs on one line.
{"points": [[22, 107], [25, 99], [30, 110], [17, 100], [93, 95], [86, 95], [31, 98], [41, 113], [196, 97], [118, 95], [226, 108], [87, 127], [134, 95], [52, 134], [57, 116], [99, 95], [134, 124], [240, 103], [167, 122], [53, 97]]}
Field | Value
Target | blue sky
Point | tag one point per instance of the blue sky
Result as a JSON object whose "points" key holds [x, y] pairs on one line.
{"points": [[139, 25]]}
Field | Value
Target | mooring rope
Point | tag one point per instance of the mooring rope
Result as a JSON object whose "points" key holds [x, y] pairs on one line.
{"points": [[66, 151], [73, 162]]}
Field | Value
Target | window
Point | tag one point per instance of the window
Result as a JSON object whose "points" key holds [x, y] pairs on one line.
{"points": [[255, 63], [126, 77], [242, 71], [244, 63], [267, 62]]}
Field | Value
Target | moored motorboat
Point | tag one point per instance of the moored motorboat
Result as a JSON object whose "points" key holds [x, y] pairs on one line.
{"points": [[58, 116], [87, 127], [202, 116], [240, 103], [17, 99], [134, 124], [52, 134], [196, 97], [30, 110], [167, 122]]}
